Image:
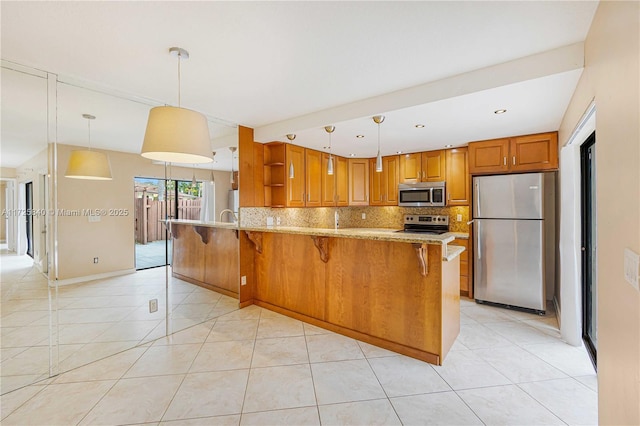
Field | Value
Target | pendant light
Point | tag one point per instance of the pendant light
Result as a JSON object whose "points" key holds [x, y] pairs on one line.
{"points": [[194, 183], [378, 119], [175, 134], [330, 129], [292, 172], [88, 164], [233, 150], [213, 160]]}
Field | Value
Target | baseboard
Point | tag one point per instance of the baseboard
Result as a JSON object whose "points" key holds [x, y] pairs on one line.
{"points": [[78, 280], [556, 306]]}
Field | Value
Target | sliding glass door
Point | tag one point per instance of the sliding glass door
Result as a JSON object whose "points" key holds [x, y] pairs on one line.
{"points": [[589, 247]]}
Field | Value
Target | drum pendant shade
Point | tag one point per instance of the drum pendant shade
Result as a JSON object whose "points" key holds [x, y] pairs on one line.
{"points": [[176, 135]]}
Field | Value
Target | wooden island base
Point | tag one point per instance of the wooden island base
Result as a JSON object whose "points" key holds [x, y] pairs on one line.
{"points": [[400, 296], [206, 256]]}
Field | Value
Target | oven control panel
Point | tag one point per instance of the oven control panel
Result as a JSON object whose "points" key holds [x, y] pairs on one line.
{"points": [[426, 219]]}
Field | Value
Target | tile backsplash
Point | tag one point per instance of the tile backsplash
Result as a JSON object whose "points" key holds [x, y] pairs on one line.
{"points": [[350, 217]]}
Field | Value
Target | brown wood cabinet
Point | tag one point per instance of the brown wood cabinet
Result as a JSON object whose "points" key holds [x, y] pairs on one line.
{"points": [[295, 184], [342, 181], [517, 154], [427, 166], [313, 178], [465, 267], [206, 256], [457, 177], [386, 301], [358, 182], [410, 168], [534, 152], [383, 186], [434, 166], [335, 188], [489, 156]]}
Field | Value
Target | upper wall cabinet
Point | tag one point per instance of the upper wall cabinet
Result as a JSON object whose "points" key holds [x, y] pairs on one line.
{"points": [[383, 186], [335, 187], [457, 177], [427, 166], [313, 177], [358, 181], [518, 154], [296, 180], [534, 152], [433, 166]]}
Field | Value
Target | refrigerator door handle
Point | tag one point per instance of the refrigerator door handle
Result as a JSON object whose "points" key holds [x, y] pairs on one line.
{"points": [[478, 245], [477, 200]]}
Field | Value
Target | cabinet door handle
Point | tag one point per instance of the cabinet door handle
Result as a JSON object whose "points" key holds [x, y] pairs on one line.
{"points": [[504, 160], [514, 160], [308, 196]]}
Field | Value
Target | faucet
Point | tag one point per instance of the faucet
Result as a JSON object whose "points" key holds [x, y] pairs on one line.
{"points": [[235, 218]]}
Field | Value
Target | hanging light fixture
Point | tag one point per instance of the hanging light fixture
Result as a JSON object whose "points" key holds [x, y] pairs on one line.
{"points": [[330, 129], [233, 150], [88, 164], [175, 134], [378, 119], [194, 183], [292, 172], [213, 156]]}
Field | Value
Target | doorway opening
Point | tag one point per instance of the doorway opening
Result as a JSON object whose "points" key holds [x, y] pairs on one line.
{"points": [[589, 247], [153, 197]]}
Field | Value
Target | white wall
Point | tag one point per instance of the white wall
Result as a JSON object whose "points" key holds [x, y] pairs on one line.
{"points": [[611, 78]]}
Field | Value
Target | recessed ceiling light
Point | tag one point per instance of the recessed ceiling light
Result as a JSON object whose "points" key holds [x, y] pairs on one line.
{"points": [[500, 111], [359, 136], [419, 126], [352, 155], [448, 145]]}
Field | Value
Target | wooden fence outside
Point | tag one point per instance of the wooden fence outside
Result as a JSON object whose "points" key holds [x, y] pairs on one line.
{"points": [[148, 214]]}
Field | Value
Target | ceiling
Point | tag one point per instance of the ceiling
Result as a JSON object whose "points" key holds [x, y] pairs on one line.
{"points": [[293, 67]]}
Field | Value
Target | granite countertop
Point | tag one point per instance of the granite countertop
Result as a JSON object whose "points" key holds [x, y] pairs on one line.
{"points": [[460, 235], [225, 225], [452, 252], [380, 234]]}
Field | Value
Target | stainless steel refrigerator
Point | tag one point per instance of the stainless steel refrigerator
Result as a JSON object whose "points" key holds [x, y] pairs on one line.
{"points": [[514, 239]]}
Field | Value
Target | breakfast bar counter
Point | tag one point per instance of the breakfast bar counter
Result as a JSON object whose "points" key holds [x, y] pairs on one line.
{"points": [[395, 290]]}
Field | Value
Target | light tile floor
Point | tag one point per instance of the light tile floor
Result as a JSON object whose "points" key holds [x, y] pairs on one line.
{"points": [[93, 320], [256, 367]]}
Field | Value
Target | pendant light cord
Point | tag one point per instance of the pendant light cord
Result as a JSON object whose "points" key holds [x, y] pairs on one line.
{"points": [[378, 138], [179, 60]]}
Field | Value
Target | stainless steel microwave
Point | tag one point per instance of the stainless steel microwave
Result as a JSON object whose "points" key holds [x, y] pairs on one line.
{"points": [[422, 194]]}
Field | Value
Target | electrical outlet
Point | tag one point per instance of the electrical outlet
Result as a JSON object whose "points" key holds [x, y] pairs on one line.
{"points": [[153, 305], [459, 218], [243, 280], [95, 260], [632, 268], [269, 221], [364, 215], [278, 220]]}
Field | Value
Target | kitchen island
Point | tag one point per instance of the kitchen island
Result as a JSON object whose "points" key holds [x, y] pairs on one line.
{"points": [[395, 290], [206, 254]]}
